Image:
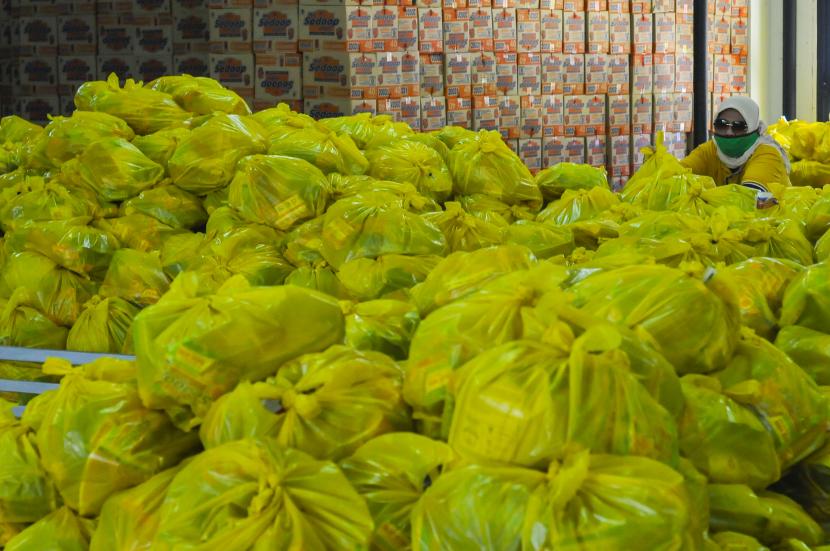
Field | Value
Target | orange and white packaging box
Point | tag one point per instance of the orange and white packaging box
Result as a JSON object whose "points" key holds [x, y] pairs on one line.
{"points": [[619, 33], [153, 35], [684, 6], [74, 70], [326, 108], [335, 28], [530, 74], [596, 151], [619, 115], [684, 66], [530, 152], [619, 6], [553, 77], [531, 116], [722, 7], [481, 30], [664, 33], [410, 74], [551, 25], [740, 9], [430, 30], [553, 151], [510, 117], [553, 115], [433, 113], [513, 145], [527, 4], [713, 101], [485, 113], [458, 75], [620, 149], [278, 76], [391, 107], [454, 4], [573, 5], [677, 144], [384, 29], [149, 68], [718, 34], [663, 112], [638, 142], [389, 75], [507, 74], [408, 28], [115, 35], [528, 30], [436, 4], [576, 115], [484, 74], [599, 32], [432, 74], [641, 6], [643, 33], [597, 73], [36, 108], [739, 37], [231, 31], [191, 32], [77, 35], [738, 75], [218, 4], [456, 30], [664, 69], [475, 4], [195, 64], [121, 65], [182, 7], [573, 150], [38, 35], [619, 74], [503, 4], [684, 38], [574, 68], [596, 5], [504, 30], [340, 74], [722, 73], [234, 71], [276, 29], [551, 5], [573, 32], [411, 112], [642, 73], [595, 116], [39, 75], [662, 6], [460, 112], [683, 112], [151, 7], [642, 113]]}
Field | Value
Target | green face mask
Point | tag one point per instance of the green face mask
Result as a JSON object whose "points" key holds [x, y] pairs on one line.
{"points": [[735, 146]]}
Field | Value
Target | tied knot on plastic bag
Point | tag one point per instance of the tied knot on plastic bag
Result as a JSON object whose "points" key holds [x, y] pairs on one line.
{"points": [[269, 493], [566, 478], [306, 406]]}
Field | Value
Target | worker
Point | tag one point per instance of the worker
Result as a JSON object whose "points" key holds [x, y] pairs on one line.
{"points": [[740, 151]]}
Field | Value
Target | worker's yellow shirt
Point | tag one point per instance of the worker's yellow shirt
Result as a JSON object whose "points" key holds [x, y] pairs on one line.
{"points": [[764, 167]]}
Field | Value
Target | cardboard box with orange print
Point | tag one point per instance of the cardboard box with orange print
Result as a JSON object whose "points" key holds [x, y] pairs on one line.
{"points": [[340, 74], [597, 72], [234, 71], [664, 33], [619, 6], [430, 30], [553, 77], [411, 112], [276, 29], [576, 115], [664, 70], [684, 38], [456, 30], [738, 75], [231, 31], [530, 74], [507, 74], [642, 73], [191, 32], [573, 150], [573, 32], [485, 113], [553, 151], [551, 31], [481, 30], [596, 5], [619, 25], [620, 149], [38, 35], [389, 75], [530, 152], [685, 6], [739, 37], [640, 6], [595, 116], [154, 36], [408, 28], [410, 74], [598, 32], [431, 67], [643, 34], [718, 34], [642, 113], [619, 74], [460, 112], [115, 35], [531, 116], [510, 121], [574, 71], [573, 5], [77, 35], [484, 75], [619, 115], [662, 6], [335, 28], [638, 142], [684, 72], [502, 4], [596, 151], [553, 115], [504, 30], [458, 75], [663, 112], [722, 73], [433, 113], [528, 30], [195, 64], [683, 113], [551, 5], [740, 9], [74, 70]]}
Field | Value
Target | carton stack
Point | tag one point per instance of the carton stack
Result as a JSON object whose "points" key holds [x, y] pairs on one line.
{"points": [[728, 22], [34, 63], [231, 45], [191, 37]]}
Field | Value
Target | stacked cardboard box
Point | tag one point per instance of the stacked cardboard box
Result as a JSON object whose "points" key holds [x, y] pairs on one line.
{"points": [[728, 22]]}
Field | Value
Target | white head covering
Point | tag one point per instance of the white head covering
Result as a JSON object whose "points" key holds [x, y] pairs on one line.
{"points": [[751, 113]]}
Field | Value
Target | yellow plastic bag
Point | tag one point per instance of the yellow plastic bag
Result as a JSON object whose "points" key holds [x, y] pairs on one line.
{"points": [[325, 404], [104, 326], [367, 278], [724, 439], [385, 326], [160, 146], [809, 349], [817, 221], [36, 201], [563, 393], [319, 277], [807, 299], [58, 531], [693, 328], [138, 231], [659, 165], [462, 273], [484, 164], [349, 186], [489, 208], [810, 173], [414, 163], [144, 109], [781, 239], [544, 240], [24, 326], [365, 128], [578, 205], [205, 161], [242, 251], [135, 276], [117, 170], [371, 225], [258, 495], [822, 250], [26, 493], [465, 232], [56, 292], [561, 177], [169, 205], [15, 129], [277, 190], [280, 115], [201, 95], [734, 541], [192, 349], [225, 221], [96, 438], [319, 146], [392, 472]]}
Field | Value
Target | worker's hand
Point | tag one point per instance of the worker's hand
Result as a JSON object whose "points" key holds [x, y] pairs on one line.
{"points": [[765, 200]]}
